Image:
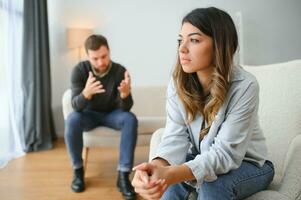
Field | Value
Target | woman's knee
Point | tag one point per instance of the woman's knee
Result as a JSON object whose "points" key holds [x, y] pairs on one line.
{"points": [[239, 183], [218, 189], [176, 192]]}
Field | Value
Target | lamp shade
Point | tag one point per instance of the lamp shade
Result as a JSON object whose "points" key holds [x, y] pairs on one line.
{"points": [[77, 36]]}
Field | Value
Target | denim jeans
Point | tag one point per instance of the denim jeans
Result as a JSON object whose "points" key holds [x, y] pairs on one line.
{"points": [[237, 184], [86, 120]]}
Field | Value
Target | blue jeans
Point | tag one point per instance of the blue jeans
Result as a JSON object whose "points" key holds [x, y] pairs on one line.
{"points": [[237, 184], [86, 120]]}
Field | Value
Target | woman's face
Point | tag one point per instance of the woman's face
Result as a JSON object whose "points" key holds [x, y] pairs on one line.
{"points": [[195, 49]]}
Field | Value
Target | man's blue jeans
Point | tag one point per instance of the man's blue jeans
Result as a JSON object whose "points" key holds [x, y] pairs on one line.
{"points": [[237, 184], [86, 120]]}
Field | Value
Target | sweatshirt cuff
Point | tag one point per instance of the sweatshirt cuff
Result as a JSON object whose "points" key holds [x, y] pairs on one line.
{"points": [[164, 158], [82, 101], [200, 173], [126, 103], [197, 173]]}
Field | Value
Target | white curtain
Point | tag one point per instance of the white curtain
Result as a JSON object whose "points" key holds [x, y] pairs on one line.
{"points": [[11, 98]]}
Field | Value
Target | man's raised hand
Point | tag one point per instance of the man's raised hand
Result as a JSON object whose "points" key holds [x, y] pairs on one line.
{"points": [[125, 85], [92, 87]]}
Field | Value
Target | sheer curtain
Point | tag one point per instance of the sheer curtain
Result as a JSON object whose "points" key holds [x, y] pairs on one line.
{"points": [[11, 97]]}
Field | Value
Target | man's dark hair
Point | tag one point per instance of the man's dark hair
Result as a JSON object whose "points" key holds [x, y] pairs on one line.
{"points": [[94, 42]]}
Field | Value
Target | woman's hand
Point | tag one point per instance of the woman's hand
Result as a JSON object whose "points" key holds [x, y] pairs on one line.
{"points": [[150, 181]]}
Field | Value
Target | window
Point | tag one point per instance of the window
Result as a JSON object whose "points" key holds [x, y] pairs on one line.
{"points": [[10, 79]]}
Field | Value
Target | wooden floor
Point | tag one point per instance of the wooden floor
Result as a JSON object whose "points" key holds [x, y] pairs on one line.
{"points": [[47, 175]]}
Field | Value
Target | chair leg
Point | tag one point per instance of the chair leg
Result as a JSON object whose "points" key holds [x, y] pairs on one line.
{"points": [[85, 157]]}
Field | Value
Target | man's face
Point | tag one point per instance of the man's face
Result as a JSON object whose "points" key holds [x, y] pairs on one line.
{"points": [[99, 59]]}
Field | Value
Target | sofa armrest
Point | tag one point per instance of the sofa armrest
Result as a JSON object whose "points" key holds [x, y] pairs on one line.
{"points": [[290, 186], [268, 195], [66, 102], [291, 182], [155, 141]]}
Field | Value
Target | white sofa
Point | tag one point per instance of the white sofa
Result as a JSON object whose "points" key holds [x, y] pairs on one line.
{"points": [[280, 118], [149, 107]]}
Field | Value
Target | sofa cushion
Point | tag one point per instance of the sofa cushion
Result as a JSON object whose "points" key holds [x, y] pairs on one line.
{"points": [[147, 125], [107, 137], [279, 108], [103, 136], [268, 195], [149, 101]]}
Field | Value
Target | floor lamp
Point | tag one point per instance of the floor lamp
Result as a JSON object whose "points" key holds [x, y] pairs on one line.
{"points": [[76, 38]]}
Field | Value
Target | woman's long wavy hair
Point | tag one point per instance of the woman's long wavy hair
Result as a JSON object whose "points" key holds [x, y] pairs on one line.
{"points": [[220, 27]]}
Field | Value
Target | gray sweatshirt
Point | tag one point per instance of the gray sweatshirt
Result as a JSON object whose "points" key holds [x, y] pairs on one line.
{"points": [[234, 136]]}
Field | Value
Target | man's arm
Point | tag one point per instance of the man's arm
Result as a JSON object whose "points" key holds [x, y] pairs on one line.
{"points": [[125, 98], [126, 103], [78, 80], [83, 89]]}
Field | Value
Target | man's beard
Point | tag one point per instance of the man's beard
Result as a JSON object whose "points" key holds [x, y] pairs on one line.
{"points": [[103, 68]]}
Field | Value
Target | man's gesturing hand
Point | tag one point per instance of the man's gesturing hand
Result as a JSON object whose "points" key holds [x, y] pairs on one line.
{"points": [[92, 87], [125, 86]]}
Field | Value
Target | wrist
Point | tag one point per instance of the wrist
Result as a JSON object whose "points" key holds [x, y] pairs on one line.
{"points": [[87, 96], [124, 95], [179, 173], [170, 175]]}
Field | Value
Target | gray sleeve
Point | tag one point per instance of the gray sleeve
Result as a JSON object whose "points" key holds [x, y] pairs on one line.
{"points": [[78, 82], [126, 103], [231, 143], [175, 140]]}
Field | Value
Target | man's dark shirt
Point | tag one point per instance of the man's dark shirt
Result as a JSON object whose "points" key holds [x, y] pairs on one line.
{"points": [[103, 102]]}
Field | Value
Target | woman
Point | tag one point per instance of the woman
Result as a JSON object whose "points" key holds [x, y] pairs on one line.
{"points": [[212, 139]]}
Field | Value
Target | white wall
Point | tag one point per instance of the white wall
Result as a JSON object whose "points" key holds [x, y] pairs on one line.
{"points": [[142, 35]]}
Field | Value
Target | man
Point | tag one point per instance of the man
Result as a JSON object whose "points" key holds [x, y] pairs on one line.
{"points": [[101, 96]]}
